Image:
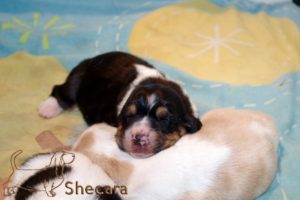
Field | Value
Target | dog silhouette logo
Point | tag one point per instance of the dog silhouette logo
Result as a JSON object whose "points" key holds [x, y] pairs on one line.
{"points": [[57, 162]]}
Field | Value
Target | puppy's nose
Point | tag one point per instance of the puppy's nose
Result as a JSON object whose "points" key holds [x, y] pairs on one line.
{"points": [[140, 139]]}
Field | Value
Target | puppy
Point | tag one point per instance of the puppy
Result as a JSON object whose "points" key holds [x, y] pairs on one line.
{"points": [[233, 157], [60, 182], [150, 111]]}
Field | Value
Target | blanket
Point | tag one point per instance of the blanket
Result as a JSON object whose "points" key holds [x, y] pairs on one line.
{"points": [[225, 53]]}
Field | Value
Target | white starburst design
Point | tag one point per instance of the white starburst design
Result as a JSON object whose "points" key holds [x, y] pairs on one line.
{"points": [[217, 42]]}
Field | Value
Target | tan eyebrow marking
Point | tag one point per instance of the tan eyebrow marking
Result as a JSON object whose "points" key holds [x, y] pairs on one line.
{"points": [[131, 109], [161, 112]]}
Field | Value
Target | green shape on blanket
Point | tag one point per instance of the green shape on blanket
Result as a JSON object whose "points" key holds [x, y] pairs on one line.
{"points": [[37, 29], [25, 81]]}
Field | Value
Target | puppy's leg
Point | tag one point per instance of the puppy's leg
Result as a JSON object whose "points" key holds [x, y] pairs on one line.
{"points": [[63, 96]]}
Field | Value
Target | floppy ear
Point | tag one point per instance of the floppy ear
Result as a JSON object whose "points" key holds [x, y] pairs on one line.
{"points": [[192, 124]]}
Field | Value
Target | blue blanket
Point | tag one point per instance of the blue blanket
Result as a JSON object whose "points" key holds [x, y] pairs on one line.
{"points": [[226, 53]]}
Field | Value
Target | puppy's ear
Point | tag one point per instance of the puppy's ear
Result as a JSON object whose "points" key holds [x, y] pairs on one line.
{"points": [[192, 124]]}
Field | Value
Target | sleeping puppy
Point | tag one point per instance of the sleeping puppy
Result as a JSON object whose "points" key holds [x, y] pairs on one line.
{"points": [[150, 111], [233, 157]]}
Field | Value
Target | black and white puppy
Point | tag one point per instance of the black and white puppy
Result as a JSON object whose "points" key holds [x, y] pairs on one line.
{"points": [[150, 111]]}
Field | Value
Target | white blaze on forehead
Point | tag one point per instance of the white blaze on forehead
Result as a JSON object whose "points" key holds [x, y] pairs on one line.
{"points": [[143, 72], [144, 121], [151, 100]]}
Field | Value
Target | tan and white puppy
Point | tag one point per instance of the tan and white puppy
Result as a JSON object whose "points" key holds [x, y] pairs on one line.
{"points": [[233, 157]]}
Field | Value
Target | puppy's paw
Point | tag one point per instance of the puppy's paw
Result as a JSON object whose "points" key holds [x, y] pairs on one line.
{"points": [[49, 108]]}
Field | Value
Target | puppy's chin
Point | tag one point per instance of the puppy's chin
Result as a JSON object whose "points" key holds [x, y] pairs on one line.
{"points": [[141, 154], [138, 151]]}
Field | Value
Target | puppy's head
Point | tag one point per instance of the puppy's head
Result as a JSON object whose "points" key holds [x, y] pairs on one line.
{"points": [[154, 118]]}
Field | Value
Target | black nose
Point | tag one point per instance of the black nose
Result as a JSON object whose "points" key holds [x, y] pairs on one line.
{"points": [[137, 139], [140, 139]]}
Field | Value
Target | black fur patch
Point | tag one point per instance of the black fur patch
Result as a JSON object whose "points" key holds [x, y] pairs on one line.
{"points": [[97, 85]]}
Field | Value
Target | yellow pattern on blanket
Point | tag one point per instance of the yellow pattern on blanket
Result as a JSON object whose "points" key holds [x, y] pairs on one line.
{"points": [[25, 81], [219, 44]]}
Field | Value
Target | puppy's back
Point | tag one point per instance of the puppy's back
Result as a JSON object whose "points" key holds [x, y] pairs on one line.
{"points": [[253, 140]]}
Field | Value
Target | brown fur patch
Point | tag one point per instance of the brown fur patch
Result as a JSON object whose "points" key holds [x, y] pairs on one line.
{"points": [[171, 138], [131, 110], [118, 171], [86, 141], [161, 112]]}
